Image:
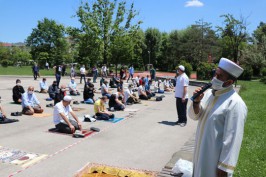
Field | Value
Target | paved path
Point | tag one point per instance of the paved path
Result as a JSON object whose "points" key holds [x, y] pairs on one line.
{"points": [[146, 140]]}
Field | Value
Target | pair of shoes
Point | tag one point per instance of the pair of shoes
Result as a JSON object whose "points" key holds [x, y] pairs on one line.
{"points": [[75, 102], [183, 124], [48, 99], [82, 102], [88, 118], [176, 174], [94, 129], [129, 103], [78, 134], [50, 105], [16, 113]]}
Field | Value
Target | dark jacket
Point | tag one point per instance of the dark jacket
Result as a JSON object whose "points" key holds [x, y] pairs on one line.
{"points": [[17, 92]]}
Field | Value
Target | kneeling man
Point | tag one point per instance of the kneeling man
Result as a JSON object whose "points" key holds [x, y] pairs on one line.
{"points": [[30, 103], [62, 121]]}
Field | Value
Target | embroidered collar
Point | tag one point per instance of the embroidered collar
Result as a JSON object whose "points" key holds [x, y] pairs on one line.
{"points": [[223, 91]]}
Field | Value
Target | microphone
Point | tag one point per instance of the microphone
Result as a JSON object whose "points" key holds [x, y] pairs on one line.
{"points": [[202, 90]]}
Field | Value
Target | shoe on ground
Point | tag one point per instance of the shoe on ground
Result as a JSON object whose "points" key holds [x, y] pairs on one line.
{"points": [[78, 134], [183, 124], [94, 129], [177, 123]]}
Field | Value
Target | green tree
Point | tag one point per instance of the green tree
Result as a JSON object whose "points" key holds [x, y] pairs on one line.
{"points": [[101, 24], [48, 37], [234, 35], [153, 44], [260, 32]]}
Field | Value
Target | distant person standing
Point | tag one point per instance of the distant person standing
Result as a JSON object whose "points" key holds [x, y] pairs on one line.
{"points": [[58, 73], [63, 70], [72, 71], [153, 73], [35, 70], [131, 73], [47, 65], [82, 74], [95, 73], [181, 95], [104, 71]]}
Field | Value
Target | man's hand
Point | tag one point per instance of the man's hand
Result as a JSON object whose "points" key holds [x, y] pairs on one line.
{"points": [[221, 173], [79, 124], [183, 100], [31, 109], [198, 99], [72, 128]]}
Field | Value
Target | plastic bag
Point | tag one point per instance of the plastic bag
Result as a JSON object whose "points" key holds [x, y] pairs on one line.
{"points": [[183, 166]]}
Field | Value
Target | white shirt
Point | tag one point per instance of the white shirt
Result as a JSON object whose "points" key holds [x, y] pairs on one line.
{"points": [[127, 93], [137, 80], [82, 70], [60, 108], [140, 89], [181, 82], [103, 88], [219, 133], [104, 68]]}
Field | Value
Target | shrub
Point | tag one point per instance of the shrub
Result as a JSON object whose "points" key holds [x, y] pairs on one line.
{"points": [[204, 70], [188, 67], [5, 63], [263, 72], [247, 74]]}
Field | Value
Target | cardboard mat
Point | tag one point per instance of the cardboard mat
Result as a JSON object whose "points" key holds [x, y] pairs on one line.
{"points": [[78, 109], [131, 110], [98, 170], [18, 157], [42, 115]]}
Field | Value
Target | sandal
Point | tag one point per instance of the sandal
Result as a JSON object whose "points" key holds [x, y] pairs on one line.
{"points": [[75, 102], [49, 105], [16, 113]]}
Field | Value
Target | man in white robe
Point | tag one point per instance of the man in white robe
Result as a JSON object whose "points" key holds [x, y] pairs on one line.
{"points": [[221, 114]]}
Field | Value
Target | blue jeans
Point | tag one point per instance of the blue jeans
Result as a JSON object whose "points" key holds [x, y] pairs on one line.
{"points": [[95, 75], [107, 94], [58, 78], [89, 101]]}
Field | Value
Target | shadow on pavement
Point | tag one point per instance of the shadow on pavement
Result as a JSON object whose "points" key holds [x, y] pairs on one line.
{"points": [[167, 123]]}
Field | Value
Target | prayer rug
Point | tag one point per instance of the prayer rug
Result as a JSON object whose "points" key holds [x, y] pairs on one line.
{"points": [[114, 120], [131, 110], [98, 170], [78, 109], [42, 115], [18, 157], [85, 132]]}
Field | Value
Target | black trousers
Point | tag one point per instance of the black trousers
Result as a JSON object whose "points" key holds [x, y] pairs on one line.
{"points": [[35, 75], [82, 76], [64, 128], [181, 110], [103, 116]]}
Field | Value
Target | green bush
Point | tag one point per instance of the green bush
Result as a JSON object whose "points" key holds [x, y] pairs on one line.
{"points": [[188, 67], [263, 72], [204, 71], [247, 74], [5, 63], [263, 79]]}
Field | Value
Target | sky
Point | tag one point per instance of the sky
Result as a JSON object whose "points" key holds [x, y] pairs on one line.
{"points": [[19, 17]]}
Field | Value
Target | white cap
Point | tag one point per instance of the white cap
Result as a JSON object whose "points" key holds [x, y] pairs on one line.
{"points": [[160, 81], [230, 67], [181, 67], [67, 98]]}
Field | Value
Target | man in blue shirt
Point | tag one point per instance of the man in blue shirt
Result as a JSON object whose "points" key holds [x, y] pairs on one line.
{"points": [[30, 103], [131, 73], [43, 86]]}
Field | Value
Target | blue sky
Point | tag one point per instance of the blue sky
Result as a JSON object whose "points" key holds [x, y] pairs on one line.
{"points": [[19, 17]]}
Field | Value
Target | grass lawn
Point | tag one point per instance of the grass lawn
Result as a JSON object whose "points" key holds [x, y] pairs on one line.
{"points": [[252, 159], [24, 70]]}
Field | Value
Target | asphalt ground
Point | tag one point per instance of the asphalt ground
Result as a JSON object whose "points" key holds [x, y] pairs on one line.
{"points": [[146, 139]]}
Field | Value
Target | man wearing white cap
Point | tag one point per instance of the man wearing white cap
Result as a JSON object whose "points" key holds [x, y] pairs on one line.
{"points": [[221, 114], [61, 115], [181, 95]]}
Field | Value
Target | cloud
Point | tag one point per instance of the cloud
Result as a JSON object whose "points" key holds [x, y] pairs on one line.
{"points": [[194, 3]]}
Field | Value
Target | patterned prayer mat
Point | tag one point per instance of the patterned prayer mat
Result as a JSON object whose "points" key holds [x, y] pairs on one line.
{"points": [[98, 170], [19, 157], [85, 132]]}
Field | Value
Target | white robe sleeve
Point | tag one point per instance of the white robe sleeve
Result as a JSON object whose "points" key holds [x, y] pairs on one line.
{"points": [[233, 135], [191, 112]]}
